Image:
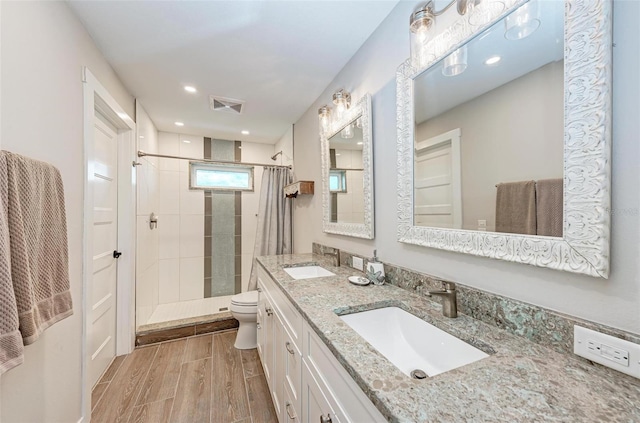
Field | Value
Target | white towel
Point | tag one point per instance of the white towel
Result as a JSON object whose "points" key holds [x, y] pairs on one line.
{"points": [[39, 255], [11, 347]]}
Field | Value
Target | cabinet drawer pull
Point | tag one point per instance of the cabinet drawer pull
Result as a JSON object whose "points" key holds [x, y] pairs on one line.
{"points": [[288, 347], [288, 405], [325, 419], [269, 310]]}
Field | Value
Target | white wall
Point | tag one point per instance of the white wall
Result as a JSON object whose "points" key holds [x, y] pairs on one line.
{"points": [[613, 302], [147, 270], [44, 48], [502, 139], [285, 144]]}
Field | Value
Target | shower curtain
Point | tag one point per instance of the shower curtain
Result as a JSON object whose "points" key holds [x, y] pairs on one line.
{"points": [[274, 235]]}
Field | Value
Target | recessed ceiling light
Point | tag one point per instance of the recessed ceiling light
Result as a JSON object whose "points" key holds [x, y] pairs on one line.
{"points": [[190, 89], [179, 123], [186, 141], [337, 154], [141, 136], [245, 132], [492, 60], [359, 142]]}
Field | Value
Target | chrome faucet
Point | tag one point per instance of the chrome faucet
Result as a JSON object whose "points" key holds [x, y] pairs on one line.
{"points": [[336, 254], [449, 299]]}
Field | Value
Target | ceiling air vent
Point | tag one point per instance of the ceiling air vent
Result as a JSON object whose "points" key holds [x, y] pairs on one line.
{"points": [[229, 105]]}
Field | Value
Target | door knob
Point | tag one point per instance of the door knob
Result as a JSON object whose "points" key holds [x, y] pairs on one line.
{"points": [[116, 254]]}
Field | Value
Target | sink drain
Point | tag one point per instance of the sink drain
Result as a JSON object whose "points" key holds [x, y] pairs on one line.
{"points": [[418, 374]]}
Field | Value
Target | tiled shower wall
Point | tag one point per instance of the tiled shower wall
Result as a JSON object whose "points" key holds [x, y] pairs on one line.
{"points": [[223, 227], [187, 226], [181, 222], [147, 175]]}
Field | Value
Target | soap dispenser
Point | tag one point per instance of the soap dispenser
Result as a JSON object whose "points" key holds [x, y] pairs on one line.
{"points": [[375, 270]]}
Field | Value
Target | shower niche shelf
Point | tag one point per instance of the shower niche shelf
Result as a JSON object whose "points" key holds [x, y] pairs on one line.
{"points": [[298, 188]]}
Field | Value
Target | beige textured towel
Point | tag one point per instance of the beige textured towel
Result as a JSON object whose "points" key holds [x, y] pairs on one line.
{"points": [[11, 348], [516, 208], [549, 205], [39, 257]]}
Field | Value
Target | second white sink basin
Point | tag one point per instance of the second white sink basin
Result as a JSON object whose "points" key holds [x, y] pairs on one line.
{"points": [[308, 272], [411, 343]]}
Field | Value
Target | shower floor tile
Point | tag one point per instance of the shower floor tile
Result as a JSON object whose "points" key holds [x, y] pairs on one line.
{"points": [[188, 309]]}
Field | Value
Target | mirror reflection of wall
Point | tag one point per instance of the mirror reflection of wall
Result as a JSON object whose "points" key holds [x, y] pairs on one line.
{"points": [[346, 184], [507, 108]]}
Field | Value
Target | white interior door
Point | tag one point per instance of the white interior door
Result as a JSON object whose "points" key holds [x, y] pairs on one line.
{"points": [[101, 324], [437, 182]]}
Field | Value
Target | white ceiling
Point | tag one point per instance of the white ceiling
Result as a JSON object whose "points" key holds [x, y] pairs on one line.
{"points": [[436, 93], [278, 56]]}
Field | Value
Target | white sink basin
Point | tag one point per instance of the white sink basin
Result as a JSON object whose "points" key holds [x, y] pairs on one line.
{"points": [[308, 272], [410, 343]]}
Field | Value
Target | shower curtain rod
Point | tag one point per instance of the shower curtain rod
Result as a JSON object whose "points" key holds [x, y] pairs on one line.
{"points": [[164, 156]]}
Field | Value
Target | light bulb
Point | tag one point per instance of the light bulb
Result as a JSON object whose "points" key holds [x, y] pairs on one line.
{"points": [[523, 22], [347, 132], [455, 63]]}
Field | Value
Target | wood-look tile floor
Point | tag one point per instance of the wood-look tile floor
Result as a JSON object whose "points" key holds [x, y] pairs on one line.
{"points": [[198, 379]]}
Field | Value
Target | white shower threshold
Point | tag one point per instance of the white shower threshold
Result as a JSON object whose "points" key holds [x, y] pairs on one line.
{"points": [[189, 309]]}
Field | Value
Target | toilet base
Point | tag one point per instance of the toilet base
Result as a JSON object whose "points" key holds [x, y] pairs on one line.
{"points": [[247, 336]]}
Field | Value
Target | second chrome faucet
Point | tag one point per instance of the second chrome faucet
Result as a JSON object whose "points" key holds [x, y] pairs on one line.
{"points": [[449, 299]]}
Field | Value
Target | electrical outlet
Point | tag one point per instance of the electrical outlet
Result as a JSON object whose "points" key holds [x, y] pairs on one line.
{"points": [[358, 263], [616, 353]]}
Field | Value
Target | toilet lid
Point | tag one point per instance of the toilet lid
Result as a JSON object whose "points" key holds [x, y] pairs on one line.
{"points": [[246, 298]]}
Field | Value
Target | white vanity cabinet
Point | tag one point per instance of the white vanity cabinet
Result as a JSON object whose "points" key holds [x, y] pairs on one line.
{"points": [[305, 379]]}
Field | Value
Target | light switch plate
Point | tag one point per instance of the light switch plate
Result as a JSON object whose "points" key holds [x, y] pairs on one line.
{"points": [[358, 263], [616, 353]]}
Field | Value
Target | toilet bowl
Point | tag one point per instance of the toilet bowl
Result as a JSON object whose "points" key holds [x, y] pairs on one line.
{"points": [[244, 307]]}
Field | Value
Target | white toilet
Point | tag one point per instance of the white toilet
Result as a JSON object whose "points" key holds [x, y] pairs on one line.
{"points": [[244, 307]]}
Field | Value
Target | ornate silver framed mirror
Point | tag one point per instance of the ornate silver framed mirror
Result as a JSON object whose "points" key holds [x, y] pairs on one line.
{"points": [[347, 171], [504, 135]]}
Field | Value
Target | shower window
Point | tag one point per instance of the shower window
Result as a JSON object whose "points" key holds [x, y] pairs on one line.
{"points": [[337, 181], [220, 177]]}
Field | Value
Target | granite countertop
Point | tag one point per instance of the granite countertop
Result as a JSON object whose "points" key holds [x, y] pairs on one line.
{"points": [[519, 382]]}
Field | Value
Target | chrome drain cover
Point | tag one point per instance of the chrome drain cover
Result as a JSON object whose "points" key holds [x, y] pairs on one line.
{"points": [[418, 374]]}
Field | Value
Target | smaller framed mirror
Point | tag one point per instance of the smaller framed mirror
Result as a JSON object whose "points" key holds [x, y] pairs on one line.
{"points": [[347, 172]]}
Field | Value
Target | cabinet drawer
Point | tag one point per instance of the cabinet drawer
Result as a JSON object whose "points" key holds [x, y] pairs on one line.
{"points": [[292, 361], [352, 401], [291, 318], [291, 412], [317, 400]]}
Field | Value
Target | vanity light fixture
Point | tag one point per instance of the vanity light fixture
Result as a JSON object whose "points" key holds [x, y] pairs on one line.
{"points": [[455, 63], [492, 60], [178, 123], [422, 24], [190, 89], [523, 22], [324, 115], [342, 100]]}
